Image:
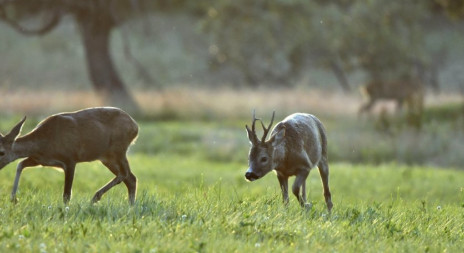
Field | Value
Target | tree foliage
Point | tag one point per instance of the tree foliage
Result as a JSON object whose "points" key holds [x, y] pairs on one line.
{"points": [[271, 40], [268, 41], [454, 8], [259, 37]]}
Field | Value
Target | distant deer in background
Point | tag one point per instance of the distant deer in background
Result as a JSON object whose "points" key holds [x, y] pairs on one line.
{"points": [[403, 91], [65, 139], [297, 144]]}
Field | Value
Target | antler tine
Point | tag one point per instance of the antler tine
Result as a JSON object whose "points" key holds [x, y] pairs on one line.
{"points": [[266, 130], [272, 120], [252, 132], [254, 120], [253, 123]]}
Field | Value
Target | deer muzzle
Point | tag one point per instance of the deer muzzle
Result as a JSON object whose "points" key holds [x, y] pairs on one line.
{"points": [[251, 176]]}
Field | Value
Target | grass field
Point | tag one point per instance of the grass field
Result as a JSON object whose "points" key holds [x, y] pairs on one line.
{"points": [[395, 189], [192, 197]]}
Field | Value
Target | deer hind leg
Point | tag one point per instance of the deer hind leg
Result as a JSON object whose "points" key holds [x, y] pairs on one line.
{"points": [[308, 206], [115, 167], [28, 162], [130, 181], [324, 171], [300, 184]]}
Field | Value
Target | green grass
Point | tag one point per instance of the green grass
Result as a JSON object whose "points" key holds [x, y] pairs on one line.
{"points": [[443, 113], [192, 197], [190, 204]]}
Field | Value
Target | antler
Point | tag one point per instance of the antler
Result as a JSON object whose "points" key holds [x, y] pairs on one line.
{"points": [[266, 130], [252, 133]]}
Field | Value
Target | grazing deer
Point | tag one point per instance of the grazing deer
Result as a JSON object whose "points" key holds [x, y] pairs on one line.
{"points": [[408, 91], [65, 139], [297, 144]]}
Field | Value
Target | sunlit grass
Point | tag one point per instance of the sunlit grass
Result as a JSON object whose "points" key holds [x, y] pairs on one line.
{"points": [[203, 103], [192, 196], [186, 104], [192, 204]]}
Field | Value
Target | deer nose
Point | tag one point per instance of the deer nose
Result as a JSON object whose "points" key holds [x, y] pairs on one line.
{"points": [[251, 176]]}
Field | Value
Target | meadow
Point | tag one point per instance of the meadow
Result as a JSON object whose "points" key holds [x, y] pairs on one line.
{"points": [[192, 197], [394, 188]]}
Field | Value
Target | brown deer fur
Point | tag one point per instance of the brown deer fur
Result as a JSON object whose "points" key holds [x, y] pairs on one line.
{"points": [[401, 91], [65, 139]]}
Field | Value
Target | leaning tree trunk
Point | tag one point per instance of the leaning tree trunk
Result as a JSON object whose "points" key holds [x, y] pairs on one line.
{"points": [[95, 31], [340, 74]]}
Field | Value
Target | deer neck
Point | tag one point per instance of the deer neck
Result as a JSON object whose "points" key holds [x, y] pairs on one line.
{"points": [[278, 156], [24, 147]]}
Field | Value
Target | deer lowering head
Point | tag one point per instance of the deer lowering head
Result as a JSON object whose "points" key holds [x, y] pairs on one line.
{"points": [[65, 139], [296, 145], [6, 144], [261, 151]]}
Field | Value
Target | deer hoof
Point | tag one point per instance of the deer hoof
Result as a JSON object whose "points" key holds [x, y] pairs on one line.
{"points": [[95, 199], [308, 206], [14, 200]]}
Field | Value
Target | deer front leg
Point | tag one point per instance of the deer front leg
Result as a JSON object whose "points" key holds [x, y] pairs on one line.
{"points": [[367, 106], [68, 181], [300, 184], [28, 162], [283, 181]]}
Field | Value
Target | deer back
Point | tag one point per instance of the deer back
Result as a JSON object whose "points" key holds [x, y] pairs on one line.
{"points": [[84, 135], [392, 90], [305, 141]]}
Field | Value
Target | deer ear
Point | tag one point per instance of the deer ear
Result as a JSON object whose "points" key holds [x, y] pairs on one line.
{"points": [[11, 136], [277, 138], [251, 136]]}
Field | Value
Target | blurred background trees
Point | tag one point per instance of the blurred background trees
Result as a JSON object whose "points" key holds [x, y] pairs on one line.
{"points": [[242, 43], [216, 60], [95, 21], [276, 41]]}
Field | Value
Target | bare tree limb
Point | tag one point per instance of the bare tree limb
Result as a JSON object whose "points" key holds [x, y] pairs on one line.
{"points": [[142, 72], [47, 27]]}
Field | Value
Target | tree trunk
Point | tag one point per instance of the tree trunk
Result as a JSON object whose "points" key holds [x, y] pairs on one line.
{"points": [[95, 29], [340, 74]]}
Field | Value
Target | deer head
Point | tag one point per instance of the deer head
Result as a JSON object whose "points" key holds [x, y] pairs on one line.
{"points": [[6, 144], [260, 158]]}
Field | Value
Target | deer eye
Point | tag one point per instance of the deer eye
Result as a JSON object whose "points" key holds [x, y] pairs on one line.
{"points": [[263, 159], [2, 153]]}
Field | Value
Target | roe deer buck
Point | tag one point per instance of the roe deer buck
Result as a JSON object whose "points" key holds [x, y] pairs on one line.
{"points": [[401, 91], [65, 139], [297, 144]]}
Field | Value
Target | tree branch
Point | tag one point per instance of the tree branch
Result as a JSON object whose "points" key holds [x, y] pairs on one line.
{"points": [[54, 21]]}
